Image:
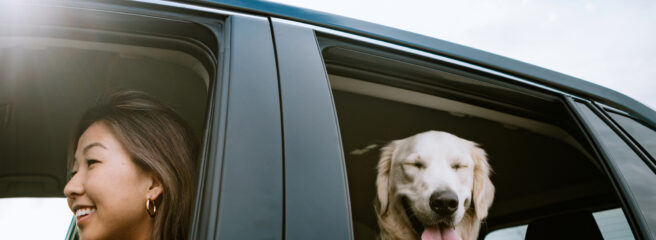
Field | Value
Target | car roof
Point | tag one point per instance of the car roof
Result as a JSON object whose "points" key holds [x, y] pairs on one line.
{"points": [[485, 59]]}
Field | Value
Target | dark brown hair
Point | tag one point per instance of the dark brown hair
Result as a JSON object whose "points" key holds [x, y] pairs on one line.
{"points": [[158, 141]]}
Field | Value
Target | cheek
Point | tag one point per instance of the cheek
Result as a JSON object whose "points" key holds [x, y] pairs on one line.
{"points": [[466, 179], [406, 182], [113, 181], [117, 194], [408, 172]]}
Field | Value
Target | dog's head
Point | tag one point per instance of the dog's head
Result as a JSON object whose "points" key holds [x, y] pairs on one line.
{"points": [[436, 177]]}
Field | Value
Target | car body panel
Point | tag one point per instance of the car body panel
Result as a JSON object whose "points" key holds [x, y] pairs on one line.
{"points": [[316, 191], [251, 200]]}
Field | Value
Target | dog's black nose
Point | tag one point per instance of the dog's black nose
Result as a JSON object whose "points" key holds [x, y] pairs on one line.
{"points": [[444, 202]]}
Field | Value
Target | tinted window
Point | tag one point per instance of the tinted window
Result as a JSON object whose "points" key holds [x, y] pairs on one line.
{"points": [[645, 136], [637, 178], [612, 224], [511, 233]]}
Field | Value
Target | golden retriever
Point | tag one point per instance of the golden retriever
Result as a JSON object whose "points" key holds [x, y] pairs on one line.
{"points": [[433, 186]]}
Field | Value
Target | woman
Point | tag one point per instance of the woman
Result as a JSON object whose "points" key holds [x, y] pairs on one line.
{"points": [[133, 172]]}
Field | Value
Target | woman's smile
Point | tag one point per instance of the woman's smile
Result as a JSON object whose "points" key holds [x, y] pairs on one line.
{"points": [[83, 214]]}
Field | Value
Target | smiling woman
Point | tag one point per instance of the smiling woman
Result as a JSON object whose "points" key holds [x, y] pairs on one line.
{"points": [[132, 171]]}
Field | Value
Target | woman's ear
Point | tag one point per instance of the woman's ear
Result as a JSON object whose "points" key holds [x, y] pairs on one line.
{"points": [[483, 190], [382, 180], [155, 189]]}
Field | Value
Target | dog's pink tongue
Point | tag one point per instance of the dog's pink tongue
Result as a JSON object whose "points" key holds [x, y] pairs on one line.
{"points": [[435, 233]]}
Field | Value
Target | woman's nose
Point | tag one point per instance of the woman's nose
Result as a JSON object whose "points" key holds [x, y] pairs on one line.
{"points": [[74, 187]]}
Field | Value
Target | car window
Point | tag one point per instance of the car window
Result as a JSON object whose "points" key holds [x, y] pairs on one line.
{"points": [[645, 136], [381, 96], [612, 224], [45, 86]]}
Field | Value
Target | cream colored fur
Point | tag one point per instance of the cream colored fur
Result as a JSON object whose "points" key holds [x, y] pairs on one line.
{"points": [[439, 151]]}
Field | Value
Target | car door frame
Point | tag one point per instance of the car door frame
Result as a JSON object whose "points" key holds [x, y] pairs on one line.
{"points": [[317, 204], [624, 187]]}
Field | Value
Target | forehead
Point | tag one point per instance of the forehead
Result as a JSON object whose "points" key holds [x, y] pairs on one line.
{"points": [[98, 132], [440, 145]]}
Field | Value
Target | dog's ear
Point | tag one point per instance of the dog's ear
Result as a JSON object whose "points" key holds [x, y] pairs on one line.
{"points": [[382, 180], [483, 191]]}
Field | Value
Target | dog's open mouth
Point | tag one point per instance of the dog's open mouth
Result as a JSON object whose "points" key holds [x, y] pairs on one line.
{"points": [[442, 231]]}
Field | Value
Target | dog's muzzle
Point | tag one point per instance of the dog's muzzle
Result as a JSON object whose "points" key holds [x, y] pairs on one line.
{"points": [[444, 228]]}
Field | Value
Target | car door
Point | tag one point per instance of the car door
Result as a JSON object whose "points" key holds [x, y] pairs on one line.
{"points": [[344, 95]]}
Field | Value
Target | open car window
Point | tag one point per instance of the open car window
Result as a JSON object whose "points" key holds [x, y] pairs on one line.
{"points": [[382, 94], [53, 68], [45, 86]]}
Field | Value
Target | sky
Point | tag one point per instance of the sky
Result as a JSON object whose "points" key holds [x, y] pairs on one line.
{"points": [[610, 43]]}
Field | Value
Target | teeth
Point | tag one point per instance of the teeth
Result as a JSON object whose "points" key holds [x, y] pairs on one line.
{"points": [[84, 211]]}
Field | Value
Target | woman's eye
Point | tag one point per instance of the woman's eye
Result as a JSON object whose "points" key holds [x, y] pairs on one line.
{"points": [[73, 173], [91, 161]]}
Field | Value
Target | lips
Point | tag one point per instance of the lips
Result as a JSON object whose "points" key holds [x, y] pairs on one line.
{"points": [[83, 214]]}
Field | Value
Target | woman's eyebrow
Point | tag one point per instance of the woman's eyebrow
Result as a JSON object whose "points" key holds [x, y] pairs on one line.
{"points": [[95, 144]]}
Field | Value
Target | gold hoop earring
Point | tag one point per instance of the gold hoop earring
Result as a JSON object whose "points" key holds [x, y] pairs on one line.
{"points": [[148, 205]]}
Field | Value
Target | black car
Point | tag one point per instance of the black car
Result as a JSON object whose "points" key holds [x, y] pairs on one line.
{"points": [[292, 106]]}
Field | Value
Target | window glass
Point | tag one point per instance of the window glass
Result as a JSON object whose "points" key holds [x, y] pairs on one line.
{"points": [[637, 178], [511, 233], [645, 136], [34, 218], [612, 224]]}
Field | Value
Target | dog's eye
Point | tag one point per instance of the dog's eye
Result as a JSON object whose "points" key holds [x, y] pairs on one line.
{"points": [[457, 166], [416, 164]]}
